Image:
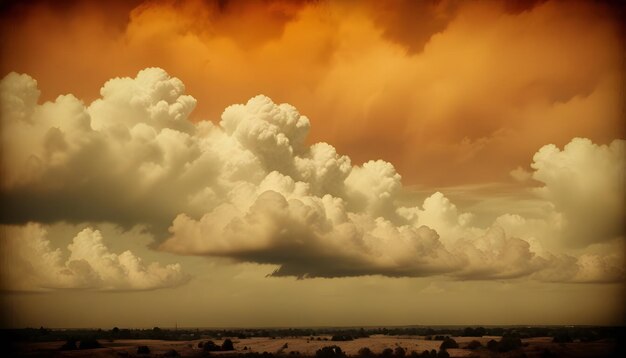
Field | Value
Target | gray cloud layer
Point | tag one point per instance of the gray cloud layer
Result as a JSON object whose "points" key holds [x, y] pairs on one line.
{"points": [[251, 189]]}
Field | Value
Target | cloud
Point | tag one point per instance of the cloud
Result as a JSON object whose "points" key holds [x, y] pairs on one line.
{"points": [[152, 97], [128, 157], [587, 268], [253, 190], [520, 174], [472, 87], [30, 263], [585, 182], [311, 237]]}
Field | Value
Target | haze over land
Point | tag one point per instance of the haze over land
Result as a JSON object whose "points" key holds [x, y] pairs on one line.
{"points": [[224, 164]]}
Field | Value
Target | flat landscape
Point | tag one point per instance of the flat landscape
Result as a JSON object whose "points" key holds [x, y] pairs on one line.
{"points": [[290, 347]]}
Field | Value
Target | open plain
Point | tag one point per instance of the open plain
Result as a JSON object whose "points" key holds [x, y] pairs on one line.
{"points": [[307, 347]]}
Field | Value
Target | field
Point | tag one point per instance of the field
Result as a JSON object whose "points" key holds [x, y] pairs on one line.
{"points": [[290, 347]]}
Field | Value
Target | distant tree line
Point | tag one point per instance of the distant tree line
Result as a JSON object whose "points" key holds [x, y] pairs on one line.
{"points": [[559, 334]]}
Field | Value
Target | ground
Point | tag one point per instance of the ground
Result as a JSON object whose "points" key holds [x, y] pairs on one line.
{"points": [[534, 347]]}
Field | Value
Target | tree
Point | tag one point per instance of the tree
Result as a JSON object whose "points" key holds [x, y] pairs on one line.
{"points": [[562, 337], [443, 354], [399, 352], [509, 343], [69, 345], [341, 337], [448, 343], [228, 345], [366, 353], [171, 353], [210, 346], [143, 350], [473, 345], [387, 352], [330, 352], [89, 343], [474, 332]]}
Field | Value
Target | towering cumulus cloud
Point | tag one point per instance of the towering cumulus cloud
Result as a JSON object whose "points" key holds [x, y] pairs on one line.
{"points": [[585, 182], [251, 189]]}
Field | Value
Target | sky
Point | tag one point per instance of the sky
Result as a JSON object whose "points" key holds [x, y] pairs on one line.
{"points": [[311, 163]]}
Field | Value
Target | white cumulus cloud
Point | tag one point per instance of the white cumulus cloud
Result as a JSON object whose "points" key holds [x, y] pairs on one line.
{"points": [[252, 189], [30, 263], [586, 183]]}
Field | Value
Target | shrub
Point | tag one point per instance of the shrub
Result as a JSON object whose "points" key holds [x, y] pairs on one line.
{"points": [[492, 345], [443, 354], [143, 350], [448, 343]]}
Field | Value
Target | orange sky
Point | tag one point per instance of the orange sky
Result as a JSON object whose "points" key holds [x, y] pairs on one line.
{"points": [[473, 87], [504, 119]]}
